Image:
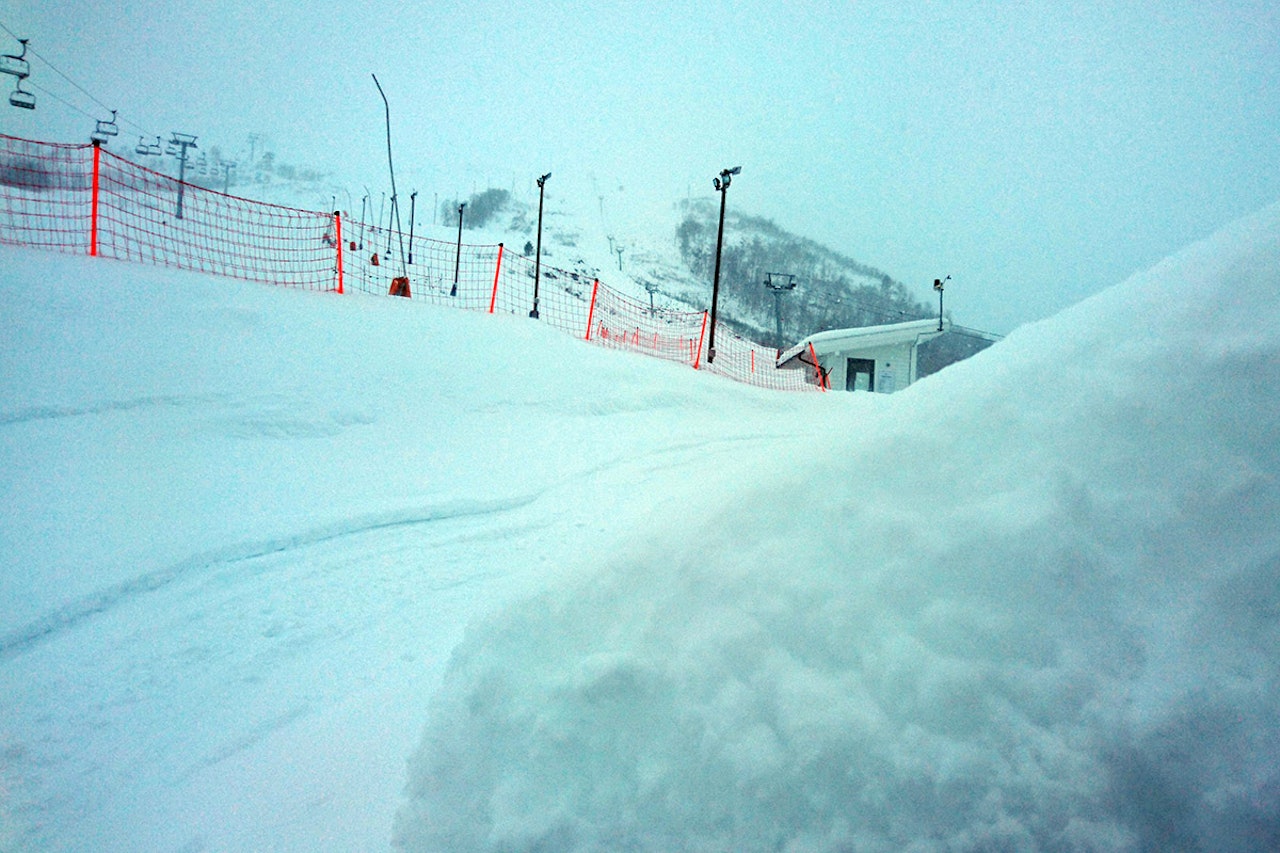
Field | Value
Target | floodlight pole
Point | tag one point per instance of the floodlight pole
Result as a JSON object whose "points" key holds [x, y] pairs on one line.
{"points": [[778, 290], [457, 258], [937, 285], [722, 185], [537, 263], [394, 207]]}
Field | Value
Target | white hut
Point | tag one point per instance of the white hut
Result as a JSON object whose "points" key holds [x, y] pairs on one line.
{"points": [[881, 359]]}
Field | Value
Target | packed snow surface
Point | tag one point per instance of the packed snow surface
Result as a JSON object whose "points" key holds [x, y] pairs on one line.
{"points": [[261, 546]]}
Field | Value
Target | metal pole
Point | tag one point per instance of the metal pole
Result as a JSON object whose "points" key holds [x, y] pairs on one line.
{"points": [[181, 141], [777, 316], [778, 290], [722, 185], [413, 203], [537, 263], [387, 106], [182, 177], [938, 285], [457, 258]]}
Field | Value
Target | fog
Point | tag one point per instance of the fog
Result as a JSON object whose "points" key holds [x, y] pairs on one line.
{"points": [[1036, 153]]}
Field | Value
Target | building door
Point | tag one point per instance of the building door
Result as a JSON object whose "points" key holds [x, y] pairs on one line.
{"points": [[861, 375]]}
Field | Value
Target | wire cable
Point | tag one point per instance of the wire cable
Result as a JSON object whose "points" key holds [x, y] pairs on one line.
{"points": [[82, 89]]}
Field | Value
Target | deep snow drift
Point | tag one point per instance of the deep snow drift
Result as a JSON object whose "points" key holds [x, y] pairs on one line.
{"points": [[1032, 604], [1028, 602]]}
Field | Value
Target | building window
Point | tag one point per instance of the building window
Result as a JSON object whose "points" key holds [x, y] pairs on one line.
{"points": [[860, 375]]}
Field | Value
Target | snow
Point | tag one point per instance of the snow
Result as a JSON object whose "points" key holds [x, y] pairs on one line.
{"points": [[261, 547]]}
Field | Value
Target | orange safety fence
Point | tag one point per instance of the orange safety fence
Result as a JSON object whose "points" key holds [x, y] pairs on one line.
{"points": [[84, 199]]}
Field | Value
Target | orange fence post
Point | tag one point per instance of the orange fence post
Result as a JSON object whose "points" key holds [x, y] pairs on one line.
{"points": [[817, 367], [591, 312], [93, 216], [697, 358], [337, 232], [493, 300]]}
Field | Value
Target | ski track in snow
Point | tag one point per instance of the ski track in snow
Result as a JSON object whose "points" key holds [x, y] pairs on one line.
{"points": [[73, 614], [235, 634], [232, 653], [51, 412]]}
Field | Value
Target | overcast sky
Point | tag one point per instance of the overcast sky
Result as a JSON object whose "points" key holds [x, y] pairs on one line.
{"points": [[1035, 151]]}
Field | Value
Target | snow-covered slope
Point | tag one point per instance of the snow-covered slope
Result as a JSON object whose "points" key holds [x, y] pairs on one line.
{"points": [[244, 527], [1030, 602]]}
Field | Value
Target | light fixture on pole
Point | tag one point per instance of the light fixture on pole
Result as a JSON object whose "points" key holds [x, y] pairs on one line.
{"points": [[722, 185], [537, 263], [778, 289], [937, 285]]}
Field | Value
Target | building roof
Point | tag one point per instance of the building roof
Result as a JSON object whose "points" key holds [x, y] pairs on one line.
{"points": [[863, 337]]}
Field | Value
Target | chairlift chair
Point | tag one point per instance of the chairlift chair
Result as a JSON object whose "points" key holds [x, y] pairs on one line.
{"points": [[20, 97], [105, 129], [16, 65]]}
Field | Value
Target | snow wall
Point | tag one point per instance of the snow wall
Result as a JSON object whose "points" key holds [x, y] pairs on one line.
{"points": [[1031, 604]]}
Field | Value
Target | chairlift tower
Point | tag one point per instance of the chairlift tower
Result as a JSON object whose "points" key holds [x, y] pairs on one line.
{"points": [[778, 288], [651, 288], [179, 144]]}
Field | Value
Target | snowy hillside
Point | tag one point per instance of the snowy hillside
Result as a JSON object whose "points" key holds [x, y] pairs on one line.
{"points": [[262, 547]]}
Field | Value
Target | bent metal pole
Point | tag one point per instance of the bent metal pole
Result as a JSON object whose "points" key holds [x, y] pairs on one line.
{"points": [[394, 208]]}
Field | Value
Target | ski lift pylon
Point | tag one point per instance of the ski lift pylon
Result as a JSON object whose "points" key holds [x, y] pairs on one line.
{"points": [[20, 97], [16, 65], [105, 129]]}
